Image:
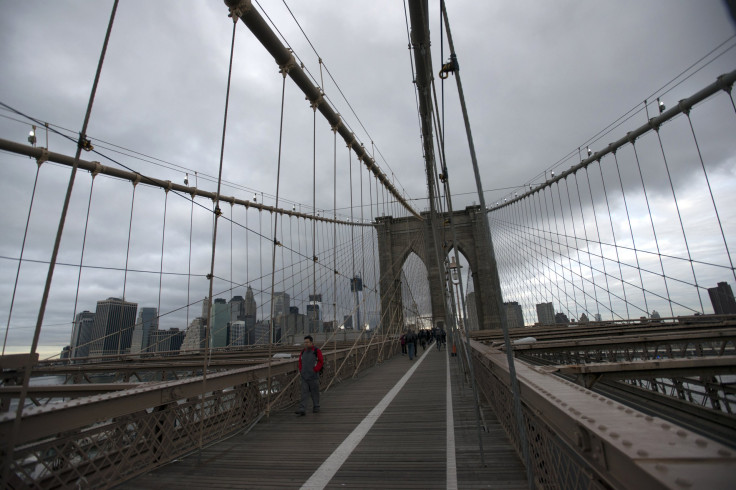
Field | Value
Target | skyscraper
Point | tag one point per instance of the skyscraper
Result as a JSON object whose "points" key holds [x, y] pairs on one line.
{"points": [[545, 313], [514, 315], [166, 341], [220, 320], [82, 334], [281, 303], [722, 299], [237, 308], [195, 335], [250, 303], [146, 323], [113, 327]]}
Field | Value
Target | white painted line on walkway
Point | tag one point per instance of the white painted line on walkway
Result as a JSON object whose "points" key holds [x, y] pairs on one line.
{"points": [[327, 470], [451, 462]]}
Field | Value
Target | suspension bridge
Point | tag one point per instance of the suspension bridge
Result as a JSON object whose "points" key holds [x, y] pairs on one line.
{"points": [[591, 340]]}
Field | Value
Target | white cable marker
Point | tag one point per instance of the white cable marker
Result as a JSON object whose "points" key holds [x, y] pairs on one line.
{"points": [[451, 461], [326, 472]]}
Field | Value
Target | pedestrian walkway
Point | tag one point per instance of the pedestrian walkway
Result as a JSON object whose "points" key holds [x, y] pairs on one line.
{"points": [[388, 428]]}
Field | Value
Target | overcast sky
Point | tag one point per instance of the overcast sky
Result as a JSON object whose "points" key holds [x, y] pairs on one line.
{"points": [[540, 79]]}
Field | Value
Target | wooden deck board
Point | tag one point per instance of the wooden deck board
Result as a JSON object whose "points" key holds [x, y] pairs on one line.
{"points": [[406, 447]]}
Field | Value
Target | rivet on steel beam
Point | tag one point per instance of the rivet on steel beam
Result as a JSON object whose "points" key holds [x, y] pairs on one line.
{"points": [[642, 453], [701, 442], [627, 443]]}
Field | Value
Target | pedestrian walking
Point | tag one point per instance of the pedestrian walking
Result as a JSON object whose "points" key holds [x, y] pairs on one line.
{"points": [[310, 366], [411, 344]]}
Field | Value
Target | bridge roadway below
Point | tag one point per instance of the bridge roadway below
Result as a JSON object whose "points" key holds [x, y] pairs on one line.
{"points": [[351, 443]]}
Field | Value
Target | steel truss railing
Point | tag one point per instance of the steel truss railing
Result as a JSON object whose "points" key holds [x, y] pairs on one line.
{"points": [[102, 440], [580, 439]]}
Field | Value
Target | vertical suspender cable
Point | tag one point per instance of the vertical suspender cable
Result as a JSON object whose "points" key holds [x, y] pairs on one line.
{"points": [[600, 245], [284, 71], [22, 249], [334, 246], [161, 267], [631, 230], [82, 143], [81, 260], [679, 217], [189, 271], [216, 215], [615, 244], [125, 275], [651, 221]]}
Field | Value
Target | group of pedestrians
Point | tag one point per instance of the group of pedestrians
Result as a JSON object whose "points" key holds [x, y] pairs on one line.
{"points": [[410, 340]]}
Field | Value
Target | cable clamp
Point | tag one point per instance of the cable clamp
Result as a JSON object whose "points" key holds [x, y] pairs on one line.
{"points": [[288, 65], [43, 157], [137, 179], [84, 143], [239, 8], [315, 259], [277, 243], [168, 186], [97, 170], [450, 67], [209, 277], [218, 211]]}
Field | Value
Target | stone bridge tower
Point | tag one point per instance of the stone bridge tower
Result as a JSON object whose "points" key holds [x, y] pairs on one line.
{"points": [[398, 237]]}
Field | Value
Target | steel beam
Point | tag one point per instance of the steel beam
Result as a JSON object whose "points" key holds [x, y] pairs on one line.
{"points": [[285, 59]]}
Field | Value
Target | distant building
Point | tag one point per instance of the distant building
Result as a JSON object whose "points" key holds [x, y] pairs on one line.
{"points": [[281, 303], [146, 323], [81, 334], [263, 330], [583, 318], [243, 332], [722, 299], [514, 315], [220, 320], [113, 327], [237, 308], [655, 315], [249, 309], [598, 317], [561, 318], [545, 313], [314, 313], [166, 341], [194, 337], [65, 352]]}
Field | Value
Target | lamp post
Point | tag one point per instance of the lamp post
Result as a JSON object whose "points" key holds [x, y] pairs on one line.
{"points": [[455, 277]]}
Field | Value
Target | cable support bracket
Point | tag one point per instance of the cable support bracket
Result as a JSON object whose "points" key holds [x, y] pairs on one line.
{"points": [[288, 65], [43, 157], [314, 103], [315, 259], [137, 179], [218, 211], [84, 143], [239, 8], [97, 170], [450, 67]]}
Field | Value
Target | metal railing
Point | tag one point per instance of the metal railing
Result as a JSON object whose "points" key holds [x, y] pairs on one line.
{"points": [[102, 440], [580, 439]]}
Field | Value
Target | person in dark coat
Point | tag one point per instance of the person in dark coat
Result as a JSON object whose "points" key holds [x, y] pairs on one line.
{"points": [[411, 343], [310, 364]]}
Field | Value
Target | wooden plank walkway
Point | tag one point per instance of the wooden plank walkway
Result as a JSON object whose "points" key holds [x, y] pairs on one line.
{"points": [[406, 447]]}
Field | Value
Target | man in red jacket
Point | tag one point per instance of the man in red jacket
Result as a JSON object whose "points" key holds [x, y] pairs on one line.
{"points": [[310, 365]]}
